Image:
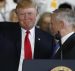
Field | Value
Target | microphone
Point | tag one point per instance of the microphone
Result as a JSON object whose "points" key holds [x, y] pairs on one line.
{"points": [[58, 37]]}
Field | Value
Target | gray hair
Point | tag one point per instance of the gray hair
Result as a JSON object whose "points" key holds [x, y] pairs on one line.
{"points": [[67, 16]]}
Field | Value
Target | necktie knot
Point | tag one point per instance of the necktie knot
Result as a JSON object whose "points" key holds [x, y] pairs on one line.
{"points": [[27, 32]]}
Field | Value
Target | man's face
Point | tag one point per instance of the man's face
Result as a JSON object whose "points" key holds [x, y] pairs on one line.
{"points": [[54, 26], [45, 23], [27, 17]]}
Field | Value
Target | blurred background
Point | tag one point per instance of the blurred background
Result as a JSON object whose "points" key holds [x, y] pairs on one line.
{"points": [[7, 8]]}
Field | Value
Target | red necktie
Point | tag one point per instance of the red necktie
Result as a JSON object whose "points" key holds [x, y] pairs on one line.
{"points": [[27, 47]]}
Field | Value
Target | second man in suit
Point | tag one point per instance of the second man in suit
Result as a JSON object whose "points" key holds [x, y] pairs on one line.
{"points": [[63, 21]]}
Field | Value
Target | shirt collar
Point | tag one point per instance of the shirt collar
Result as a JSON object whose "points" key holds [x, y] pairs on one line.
{"points": [[31, 31], [63, 39]]}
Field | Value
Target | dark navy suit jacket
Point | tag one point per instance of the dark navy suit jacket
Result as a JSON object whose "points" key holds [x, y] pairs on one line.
{"points": [[68, 49], [10, 46]]}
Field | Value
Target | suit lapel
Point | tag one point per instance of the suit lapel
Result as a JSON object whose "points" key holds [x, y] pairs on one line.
{"points": [[37, 44], [19, 42]]}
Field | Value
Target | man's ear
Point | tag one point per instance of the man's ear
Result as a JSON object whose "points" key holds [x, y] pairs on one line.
{"points": [[62, 24], [37, 13]]}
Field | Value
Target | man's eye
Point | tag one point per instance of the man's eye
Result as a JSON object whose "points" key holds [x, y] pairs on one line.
{"points": [[21, 14], [29, 13]]}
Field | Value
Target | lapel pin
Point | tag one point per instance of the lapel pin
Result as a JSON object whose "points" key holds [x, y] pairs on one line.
{"points": [[39, 39]]}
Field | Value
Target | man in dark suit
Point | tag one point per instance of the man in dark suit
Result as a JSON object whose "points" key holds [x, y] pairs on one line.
{"points": [[63, 21], [8, 47], [12, 39]]}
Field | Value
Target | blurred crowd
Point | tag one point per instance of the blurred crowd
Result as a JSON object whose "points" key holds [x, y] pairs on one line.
{"points": [[6, 6], [7, 10], [8, 14]]}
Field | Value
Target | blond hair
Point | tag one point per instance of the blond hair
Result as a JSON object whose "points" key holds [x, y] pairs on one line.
{"points": [[42, 16], [13, 16], [25, 4]]}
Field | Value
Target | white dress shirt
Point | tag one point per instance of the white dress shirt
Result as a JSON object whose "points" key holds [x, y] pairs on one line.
{"points": [[31, 38]]}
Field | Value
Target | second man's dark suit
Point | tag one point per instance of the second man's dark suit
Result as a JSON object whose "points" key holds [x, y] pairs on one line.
{"points": [[68, 49], [10, 46]]}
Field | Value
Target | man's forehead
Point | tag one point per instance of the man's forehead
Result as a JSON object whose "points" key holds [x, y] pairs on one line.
{"points": [[27, 9]]}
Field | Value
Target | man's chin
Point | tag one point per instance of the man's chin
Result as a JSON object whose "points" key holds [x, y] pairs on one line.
{"points": [[57, 36]]}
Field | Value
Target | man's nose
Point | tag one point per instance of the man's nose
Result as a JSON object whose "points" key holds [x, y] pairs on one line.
{"points": [[26, 16]]}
